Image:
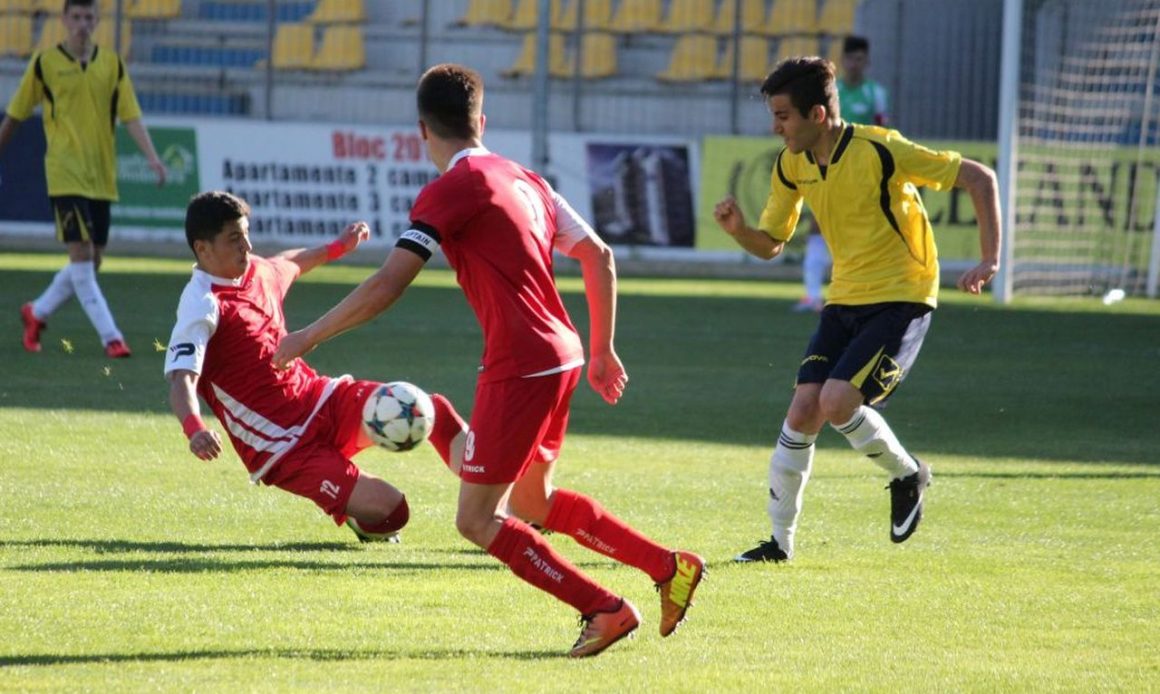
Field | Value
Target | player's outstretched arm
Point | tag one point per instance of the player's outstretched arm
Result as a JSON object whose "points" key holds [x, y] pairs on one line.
{"points": [[755, 241], [204, 443], [606, 373], [369, 299], [309, 258], [980, 183]]}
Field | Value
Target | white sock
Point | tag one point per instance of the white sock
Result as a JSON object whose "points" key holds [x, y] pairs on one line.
{"points": [[871, 436], [59, 291], [789, 470], [84, 278]]}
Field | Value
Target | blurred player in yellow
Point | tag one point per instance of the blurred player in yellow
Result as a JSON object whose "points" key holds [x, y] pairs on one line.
{"points": [[861, 183], [83, 90]]}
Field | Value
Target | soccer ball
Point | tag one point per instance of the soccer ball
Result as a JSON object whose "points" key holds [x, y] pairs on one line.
{"points": [[398, 416]]}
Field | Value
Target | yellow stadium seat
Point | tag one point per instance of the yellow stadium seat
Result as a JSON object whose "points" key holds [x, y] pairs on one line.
{"points": [[52, 32], [527, 12], [342, 48], [688, 15], [105, 35], [837, 17], [792, 17], [337, 11], [598, 55], [795, 46], [558, 63], [694, 59], [16, 7], [637, 16], [754, 63], [486, 13], [752, 17], [834, 52], [294, 46], [154, 9], [597, 15], [16, 35]]}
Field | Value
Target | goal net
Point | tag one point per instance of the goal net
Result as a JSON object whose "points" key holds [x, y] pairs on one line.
{"points": [[1087, 155]]}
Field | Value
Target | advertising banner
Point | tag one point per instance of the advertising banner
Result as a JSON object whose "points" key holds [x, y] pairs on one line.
{"points": [[23, 189], [143, 204]]}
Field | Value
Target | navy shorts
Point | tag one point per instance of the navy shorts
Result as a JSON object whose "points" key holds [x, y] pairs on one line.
{"points": [[81, 219], [871, 346]]}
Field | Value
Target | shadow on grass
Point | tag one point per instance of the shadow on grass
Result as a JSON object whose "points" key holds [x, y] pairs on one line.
{"points": [[121, 546], [1052, 476], [202, 565], [49, 659]]}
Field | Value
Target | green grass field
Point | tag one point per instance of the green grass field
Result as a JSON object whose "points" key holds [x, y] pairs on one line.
{"points": [[126, 564]]}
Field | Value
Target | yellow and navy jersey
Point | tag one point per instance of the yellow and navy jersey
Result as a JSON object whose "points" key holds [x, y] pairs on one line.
{"points": [[869, 211], [81, 105]]}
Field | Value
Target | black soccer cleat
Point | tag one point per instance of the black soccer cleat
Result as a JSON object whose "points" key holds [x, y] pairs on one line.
{"points": [[906, 502], [767, 550]]}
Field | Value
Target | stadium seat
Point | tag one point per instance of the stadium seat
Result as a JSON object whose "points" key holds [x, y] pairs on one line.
{"points": [[486, 13], [637, 16], [694, 59], [294, 46], [752, 17], [793, 46], [52, 32], [792, 17], [154, 9], [598, 55], [597, 15], [526, 13], [837, 18], [754, 64], [337, 11], [16, 35], [105, 35], [342, 48], [558, 63], [688, 15], [834, 51], [16, 7]]}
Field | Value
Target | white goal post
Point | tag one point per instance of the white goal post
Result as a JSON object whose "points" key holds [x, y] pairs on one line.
{"points": [[1079, 147]]}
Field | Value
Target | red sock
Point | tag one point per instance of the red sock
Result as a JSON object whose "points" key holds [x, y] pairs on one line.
{"points": [[448, 424], [531, 558], [589, 524]]}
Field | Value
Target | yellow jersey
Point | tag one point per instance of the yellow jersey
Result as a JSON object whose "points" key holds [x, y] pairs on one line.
{"points": [[81, 106], [869, 211]]}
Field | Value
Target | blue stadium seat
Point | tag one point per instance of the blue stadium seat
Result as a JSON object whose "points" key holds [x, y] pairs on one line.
{"points": [[254, 10]]}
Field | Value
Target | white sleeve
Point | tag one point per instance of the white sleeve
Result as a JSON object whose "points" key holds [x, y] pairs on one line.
{"points": [[570, 226], [197, 320]]}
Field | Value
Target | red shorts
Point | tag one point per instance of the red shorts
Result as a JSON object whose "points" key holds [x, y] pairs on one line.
{"points": [[514, 423], [319, 467]]}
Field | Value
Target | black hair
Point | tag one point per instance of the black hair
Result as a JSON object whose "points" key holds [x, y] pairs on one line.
{"points": [[209, 212], [809, 82], [853, 44], [450, 99]]}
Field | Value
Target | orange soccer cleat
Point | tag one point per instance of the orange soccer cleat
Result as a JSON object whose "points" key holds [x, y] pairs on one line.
{"points": [[602, 629], [677, 592], [117, 349]]}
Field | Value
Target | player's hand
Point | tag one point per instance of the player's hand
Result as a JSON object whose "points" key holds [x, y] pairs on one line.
{"points": [[159, 169], [729, 216], [206, 444], [354, 234], [973, 280], [607, 377], [294, 345]]}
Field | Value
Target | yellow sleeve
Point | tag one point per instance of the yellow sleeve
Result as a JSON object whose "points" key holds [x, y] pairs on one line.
{"points": [[127, 107], [29, 93], [922, 166], [783, 207]]}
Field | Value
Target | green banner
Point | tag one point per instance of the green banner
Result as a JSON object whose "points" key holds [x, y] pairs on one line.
{"points": [[741, 166], [143, 204]]}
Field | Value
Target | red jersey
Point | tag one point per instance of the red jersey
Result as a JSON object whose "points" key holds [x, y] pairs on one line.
{"points": [[497, 223], [227, 331]]}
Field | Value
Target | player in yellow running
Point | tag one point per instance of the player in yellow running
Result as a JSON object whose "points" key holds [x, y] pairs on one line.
{"points": [[861, 183], [83, 90]]}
